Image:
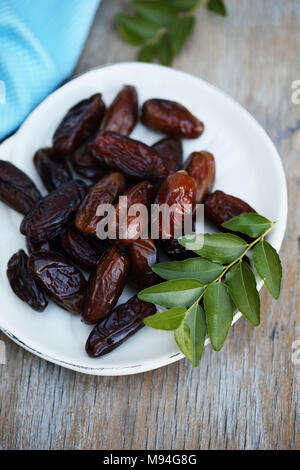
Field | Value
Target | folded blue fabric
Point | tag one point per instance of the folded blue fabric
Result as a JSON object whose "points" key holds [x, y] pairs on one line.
{"points": [[40, 43]]}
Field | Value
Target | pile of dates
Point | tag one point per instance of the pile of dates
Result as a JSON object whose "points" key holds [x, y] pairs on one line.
{"points": [[93, 142]]}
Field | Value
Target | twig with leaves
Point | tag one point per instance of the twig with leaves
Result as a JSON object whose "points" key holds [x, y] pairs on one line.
{"points": [[161, 27], [203, 293]]}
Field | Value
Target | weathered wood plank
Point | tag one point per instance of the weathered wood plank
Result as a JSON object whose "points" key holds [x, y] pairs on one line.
{"points": [[247, 396]]}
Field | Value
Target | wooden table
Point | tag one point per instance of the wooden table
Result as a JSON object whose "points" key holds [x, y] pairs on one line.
{"points": [[247, 396]]}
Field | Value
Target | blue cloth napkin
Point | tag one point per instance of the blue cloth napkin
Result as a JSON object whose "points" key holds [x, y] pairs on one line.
{"points": [[40, 43]]}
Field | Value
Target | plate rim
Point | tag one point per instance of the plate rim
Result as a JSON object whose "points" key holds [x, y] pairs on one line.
{"points": [[136, 369]]}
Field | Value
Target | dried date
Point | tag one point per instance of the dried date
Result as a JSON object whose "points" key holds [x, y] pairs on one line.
{"points": [[104, 192], [129, 156], [142, 255], [220, 207], [122, 114], [170, 150], [16, 188], [84, 164], [80, 122], [52, 173], [201, 167], [81, 249], [50, 214], [105, 286], [23, 282], [37, 247], [176, 251], [63, 282], [123, 322], [171, 118]]}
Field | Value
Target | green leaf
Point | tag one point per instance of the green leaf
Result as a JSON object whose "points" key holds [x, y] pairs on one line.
{"points": [[268, 265], [180, 31], [250, 224], [164, 50], [219, 314], [241, 285], [167, 320], [147, 53], [183, 5], [195, 320], [129, 36], [138, 26], [176, 293], [218, 247], [157, 12], [193, 268], [183, 340], [217, 6]]}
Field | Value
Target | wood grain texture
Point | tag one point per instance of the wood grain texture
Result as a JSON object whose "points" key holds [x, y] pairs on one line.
{"points": [[247, 396]]}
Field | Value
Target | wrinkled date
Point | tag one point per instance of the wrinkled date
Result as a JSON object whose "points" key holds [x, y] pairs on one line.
{"points": [[171, 118], [201, 167], [122, 114], [130, 156], [173, 249], [84, 164], [138, 199], [37, 247], [82, 250], [80, 122], [16, 188], [170, 150], [50, 214], [23, 283], [142, 255], [220, 207], [52, 174], [104, 192], [63, 282], [178, 192], [124, 321], [105, 286]]}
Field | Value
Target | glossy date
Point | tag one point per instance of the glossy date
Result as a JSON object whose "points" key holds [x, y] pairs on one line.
{"points": [[201, 167], [124, 321], [220, 207], [142, 255], [122, 114], [63, 282], [23, 282], [84, 164], [171, 118], [16, 188], [80, 122], [129, 156], [105, 286], [48, 217], [170, 150], [52, 173]]}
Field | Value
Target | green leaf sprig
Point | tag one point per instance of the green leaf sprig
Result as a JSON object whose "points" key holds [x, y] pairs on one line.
{"points": [[202, 293], [161, 27]]}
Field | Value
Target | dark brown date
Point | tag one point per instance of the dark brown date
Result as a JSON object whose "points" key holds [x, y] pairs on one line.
{"points": [[142, 193], [130, 156], [63, 282], [37, 247], [171, 118], [201, 167], [105, 286], [16, 188], [80, 122], [123, 322], [81, 250], [23, 283], [122, 114], [104, 192], [177, 191], [173, 249], [52, 174], [50, 214], [84, 164], [142, 255], [220, 207], [170, 150]]}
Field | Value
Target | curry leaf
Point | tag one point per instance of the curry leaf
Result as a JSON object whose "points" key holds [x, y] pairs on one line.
{"points": [[139, 26], [268, 265], [175, 293], [157, 12], [180, 30], [195, 320], [147, 53], [193, 268], [249, 223], [183, 340], [164, 50], [217, 6], [167, 320]]}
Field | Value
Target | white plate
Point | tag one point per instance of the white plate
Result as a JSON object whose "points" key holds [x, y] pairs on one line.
{"points": [[248, 166]]}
